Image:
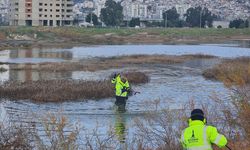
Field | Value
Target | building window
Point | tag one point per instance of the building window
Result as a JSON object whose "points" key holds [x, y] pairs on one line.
{"points": [[58, 4], [40, 4], [45, 15], [40, 15], [57, 16], [45, 4], [51, 10], [51, 16], [40, 9], [51, 4], [57, 10], [45, 9]]}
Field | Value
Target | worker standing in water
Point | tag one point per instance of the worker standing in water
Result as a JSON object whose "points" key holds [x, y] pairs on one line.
{"points": [[121, 91]]}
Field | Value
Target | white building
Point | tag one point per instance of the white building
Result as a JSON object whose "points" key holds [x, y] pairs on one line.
{"points": [[134, 9], [41, 12], [3, 11], [182, 9], [99, 4], [81, 10], [223, 24]]}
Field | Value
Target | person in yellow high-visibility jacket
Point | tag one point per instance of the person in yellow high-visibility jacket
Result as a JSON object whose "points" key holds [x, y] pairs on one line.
{"points": [[199, 136], [121, 91]]}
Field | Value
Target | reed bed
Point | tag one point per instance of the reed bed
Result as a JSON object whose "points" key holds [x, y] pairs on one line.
{"points": [[136, 77], [232, 71], [96, 64], [56, 90], [65, 90]]}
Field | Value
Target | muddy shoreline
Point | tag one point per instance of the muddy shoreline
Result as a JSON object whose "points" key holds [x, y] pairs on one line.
{"points": [[29, 37], [115, 40]]}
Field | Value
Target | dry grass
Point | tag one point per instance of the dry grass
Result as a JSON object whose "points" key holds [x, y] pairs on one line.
{"points": [[158, 131], [64, 90], [136, 77], [13, 137], [56, 136], [235, 74], [155, 130], [162, 130], [56, 90], [108, 63], [231, 72], [2, 36]]}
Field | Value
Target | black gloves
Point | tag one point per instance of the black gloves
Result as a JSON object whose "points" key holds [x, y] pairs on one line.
{"points": [[124, 90]]}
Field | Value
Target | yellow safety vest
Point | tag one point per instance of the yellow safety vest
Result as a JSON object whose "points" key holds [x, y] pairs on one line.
{"points": [[198, 136], [119, 85]]}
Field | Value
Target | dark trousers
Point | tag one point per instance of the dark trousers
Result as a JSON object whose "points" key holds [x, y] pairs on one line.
{"points": [[121, 103]]}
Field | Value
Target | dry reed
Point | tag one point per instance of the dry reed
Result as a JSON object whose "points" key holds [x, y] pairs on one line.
{"points": [[56, 90], [110, 62], [64, 90], [234, 71]]}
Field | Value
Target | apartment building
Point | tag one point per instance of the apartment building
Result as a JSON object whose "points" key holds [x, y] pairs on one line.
{"points": [[41, 12], [3, 11]]}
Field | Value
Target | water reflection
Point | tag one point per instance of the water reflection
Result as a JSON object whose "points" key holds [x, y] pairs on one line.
{"points": [[31, 53], [120, 127], [34, 56], [243, 43], [30, 75]]}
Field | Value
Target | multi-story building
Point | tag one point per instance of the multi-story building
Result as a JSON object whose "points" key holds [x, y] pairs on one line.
{"points": [[41, 12], [3, 11], [81, 10], [99, 4], [134, 9]]}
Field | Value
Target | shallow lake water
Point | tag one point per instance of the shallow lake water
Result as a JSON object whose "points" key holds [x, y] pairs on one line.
{"points": [[170, 86]]}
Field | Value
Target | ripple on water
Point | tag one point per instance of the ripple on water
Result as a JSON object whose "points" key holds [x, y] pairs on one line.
{"points": [[170, 86]]}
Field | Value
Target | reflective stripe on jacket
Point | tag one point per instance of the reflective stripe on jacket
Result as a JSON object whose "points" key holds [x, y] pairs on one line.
{"points": [[119, 85], [198, 136]]}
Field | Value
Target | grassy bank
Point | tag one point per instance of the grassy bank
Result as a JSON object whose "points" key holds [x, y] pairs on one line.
{"points": [[65, 90], [235, 74], [231, 71], [71, 36], [79, 31], [96, 64]]}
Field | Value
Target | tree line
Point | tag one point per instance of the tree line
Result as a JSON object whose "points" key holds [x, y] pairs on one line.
{"points": [[200, 17]]}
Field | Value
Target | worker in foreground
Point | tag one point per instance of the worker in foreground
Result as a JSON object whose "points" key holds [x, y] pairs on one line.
{"points": [[121, 91], [199, 136]]}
